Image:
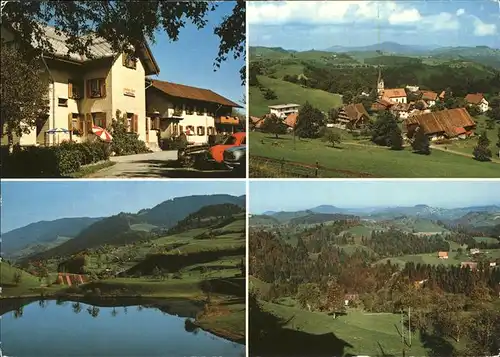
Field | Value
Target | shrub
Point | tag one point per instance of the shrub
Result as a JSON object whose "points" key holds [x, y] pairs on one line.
{"points": [[124, 142]]}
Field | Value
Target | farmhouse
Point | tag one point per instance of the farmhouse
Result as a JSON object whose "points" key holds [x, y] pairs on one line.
{"points": [[381, 104], [401, 110], [283, 110], [479, 100], [470, 265], [197, 112], [353, 116], [256, 122], [443, 255], [452, 123], [429, 97], [87, 91], [291, 120], [397, 95]]}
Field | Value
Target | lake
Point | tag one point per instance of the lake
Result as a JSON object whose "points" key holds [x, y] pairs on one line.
{"points": [[71, 329]]}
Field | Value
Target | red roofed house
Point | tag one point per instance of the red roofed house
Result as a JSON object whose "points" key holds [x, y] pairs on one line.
{"points": [[429, 97], [197, 112], [353, 116], [291, 120], [397, 95], [479, 100], [256, 122], [450, 123], [443, 255]]}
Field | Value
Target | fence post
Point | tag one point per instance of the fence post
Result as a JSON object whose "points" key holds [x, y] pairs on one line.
{"points": [[317, 169]]}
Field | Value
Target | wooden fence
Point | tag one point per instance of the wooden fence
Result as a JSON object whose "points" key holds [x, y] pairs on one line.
{"points": [[265, 167]]}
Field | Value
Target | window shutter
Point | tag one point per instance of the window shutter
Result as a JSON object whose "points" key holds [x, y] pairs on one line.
{"points": [[89, 95], [88, 123], [70, 90], [81, 124], [136, 123], [70, 121], [103, 87]]}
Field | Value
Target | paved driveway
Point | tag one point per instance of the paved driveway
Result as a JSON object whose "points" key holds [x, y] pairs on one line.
{"points": [[156, 164]]}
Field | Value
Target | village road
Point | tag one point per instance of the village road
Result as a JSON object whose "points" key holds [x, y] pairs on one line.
{"points": [[154, 165]]}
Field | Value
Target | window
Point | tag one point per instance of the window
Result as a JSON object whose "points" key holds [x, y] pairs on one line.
{"points": [[75, 122], [129, 123], [129, 61], [177, 110], [230, 140], [63, 102], [200, 131], [74, 90], [181, 129], [210, 130], [99, 119], [175, 129], [189, 110], [189, 130], [200, 111], [96, 88]]}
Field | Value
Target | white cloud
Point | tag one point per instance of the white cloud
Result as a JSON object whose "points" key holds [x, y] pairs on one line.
{"points": [[483, 29], [460, 12], [404, 17], [318, 13]]}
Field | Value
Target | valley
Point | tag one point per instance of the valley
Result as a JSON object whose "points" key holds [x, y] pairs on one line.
{"points": [[403, 280]]}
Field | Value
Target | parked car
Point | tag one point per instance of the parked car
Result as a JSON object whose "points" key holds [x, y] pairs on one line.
{"points": [[216, 152], [236, 159]]}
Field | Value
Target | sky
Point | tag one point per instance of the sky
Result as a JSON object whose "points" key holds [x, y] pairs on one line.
{"points": [[190, 60], [25, 202], [307, 194], [305, 25]]}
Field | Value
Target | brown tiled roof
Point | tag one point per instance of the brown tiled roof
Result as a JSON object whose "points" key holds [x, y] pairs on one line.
{"points": [[474, 98], [291, 120], [444, 121], [394, 93], [401, 107], [354, 112], [188, 92], [429, 95], [256, 121]]}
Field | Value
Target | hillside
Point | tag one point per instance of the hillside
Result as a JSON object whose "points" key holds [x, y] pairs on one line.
{"points": [[43, 232], [287, 92], [123, 228]]}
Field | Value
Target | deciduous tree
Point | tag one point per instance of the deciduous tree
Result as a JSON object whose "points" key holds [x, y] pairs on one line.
{"points": [[310, 121], [273, 125], [383, 127]]}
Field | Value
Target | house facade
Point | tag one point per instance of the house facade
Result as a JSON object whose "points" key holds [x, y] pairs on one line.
{"points": [[479, 100], [353, 116], [283, 110], [396, 95], [197, 112], [429, 98], [91, 91]]}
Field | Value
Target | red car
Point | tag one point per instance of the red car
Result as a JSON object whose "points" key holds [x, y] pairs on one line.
{"points": [[217, 151]]}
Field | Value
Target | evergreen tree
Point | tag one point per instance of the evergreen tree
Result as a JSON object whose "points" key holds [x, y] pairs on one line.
{"points": [[420, 142], [310, 121], [482, 150]]}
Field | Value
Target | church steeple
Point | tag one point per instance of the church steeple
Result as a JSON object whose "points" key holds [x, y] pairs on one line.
{"points": [[380, 83]]}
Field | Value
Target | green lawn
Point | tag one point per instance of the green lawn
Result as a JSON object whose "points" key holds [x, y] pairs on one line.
{"points": [[377, 161], [289, 93], [426, 258], [488, 240], [367, 333]]}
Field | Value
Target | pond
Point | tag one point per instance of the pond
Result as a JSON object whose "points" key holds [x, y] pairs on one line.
{"points": [[74, 329]]}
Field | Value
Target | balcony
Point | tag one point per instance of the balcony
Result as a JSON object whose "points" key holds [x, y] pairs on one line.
{"points": [[225, 120]]}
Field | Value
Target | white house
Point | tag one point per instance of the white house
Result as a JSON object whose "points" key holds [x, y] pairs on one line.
{"points": [[197, 112], [89, 91], [283, 110], [429, 97], [479, 100], [396, 95]]}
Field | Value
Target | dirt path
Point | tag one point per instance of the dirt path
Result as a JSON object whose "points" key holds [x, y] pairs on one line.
{"points": [[459, 153]]}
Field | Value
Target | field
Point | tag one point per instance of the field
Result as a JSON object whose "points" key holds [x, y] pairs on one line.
{"points": [[289, 93], [375, 161], [487, 240], [355, 333], [426, 258]]}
